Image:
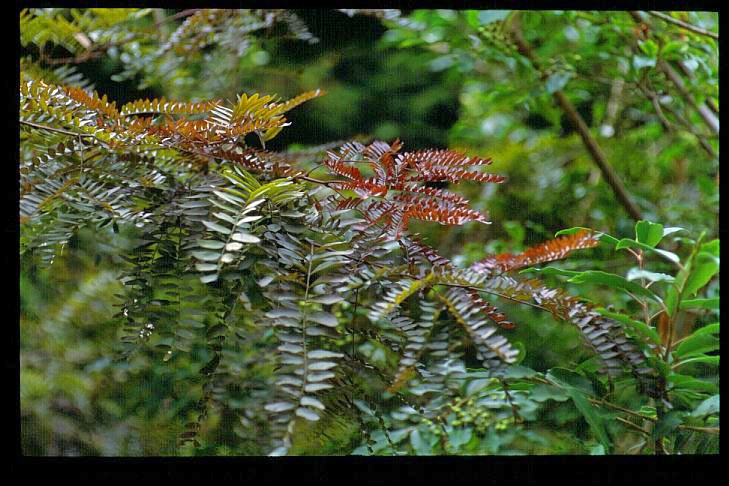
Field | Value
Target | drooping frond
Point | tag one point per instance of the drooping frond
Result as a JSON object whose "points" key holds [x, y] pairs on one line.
{"points": [[85, 114], [494, 350], [232, 214], [606, 337], [544, 252], [397, 184]]}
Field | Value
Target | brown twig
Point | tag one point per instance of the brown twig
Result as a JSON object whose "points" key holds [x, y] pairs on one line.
{"points": [[684, 25], [704, 111], [579, 124]]}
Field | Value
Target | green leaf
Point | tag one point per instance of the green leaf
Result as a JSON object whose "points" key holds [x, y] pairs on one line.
{"points": [[516, 372], [551, 271], [542, 393], [486, 17], [245, 238], [636, 273], [597, 450], [597, 277], [594, 420], [569, 379], [640, 62], [704, 268], [667, 424], [420, 445], [697, 344], [324, 318], [327, 299], [614, 281], [557, 81], [209, 278], [700, 304], [711, 247], [459, 436], [216, 227], [649, 47], [712, 328], [685, 382], [630, 243], [210, 244], [640, 327], [701, 358], [710, 406], [206, 267], [672, 229]]}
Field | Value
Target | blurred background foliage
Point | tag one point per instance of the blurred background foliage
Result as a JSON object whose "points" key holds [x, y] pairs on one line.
{"points": [[432, 78]]}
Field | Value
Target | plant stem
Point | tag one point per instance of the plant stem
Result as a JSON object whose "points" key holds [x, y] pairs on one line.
{"points": [[598, 156]]}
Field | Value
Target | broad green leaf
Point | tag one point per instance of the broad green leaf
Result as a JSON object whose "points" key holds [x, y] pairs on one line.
{"points": [[419, 444], [640, 327], [542, 393], [685, 382], [248, 219], [459, 436], [630, 243], [614, 281], [206, 267], [697, 344], [593, 418], [312, 402], [516, 372], [636, 273], [551, 271], [321, 365], [711, 247], [279, 407], [700, 303], [701, 358], [712, 328], [704, 268], [568, 378], [710, 406], [233, 246], [323, 354], [597, 277], [640, 62]]}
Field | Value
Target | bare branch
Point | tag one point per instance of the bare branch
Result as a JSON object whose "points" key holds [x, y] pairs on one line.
{"points": [[684, 25]]}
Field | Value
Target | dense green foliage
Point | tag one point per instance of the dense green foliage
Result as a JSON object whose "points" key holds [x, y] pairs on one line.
{"points": [[205, 272]]}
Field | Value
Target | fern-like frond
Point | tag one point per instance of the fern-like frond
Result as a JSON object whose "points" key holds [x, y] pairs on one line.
{"points": [[397, 181], [494, 350], [605, 336], [551, 250]]}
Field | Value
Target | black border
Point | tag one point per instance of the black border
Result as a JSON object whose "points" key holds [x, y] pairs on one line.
{"points": [[314, 469]]}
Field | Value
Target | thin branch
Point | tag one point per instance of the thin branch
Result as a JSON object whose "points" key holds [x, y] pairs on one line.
{"points": [[704, 111], [579, 124], [684, 25], [57, 130]]}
